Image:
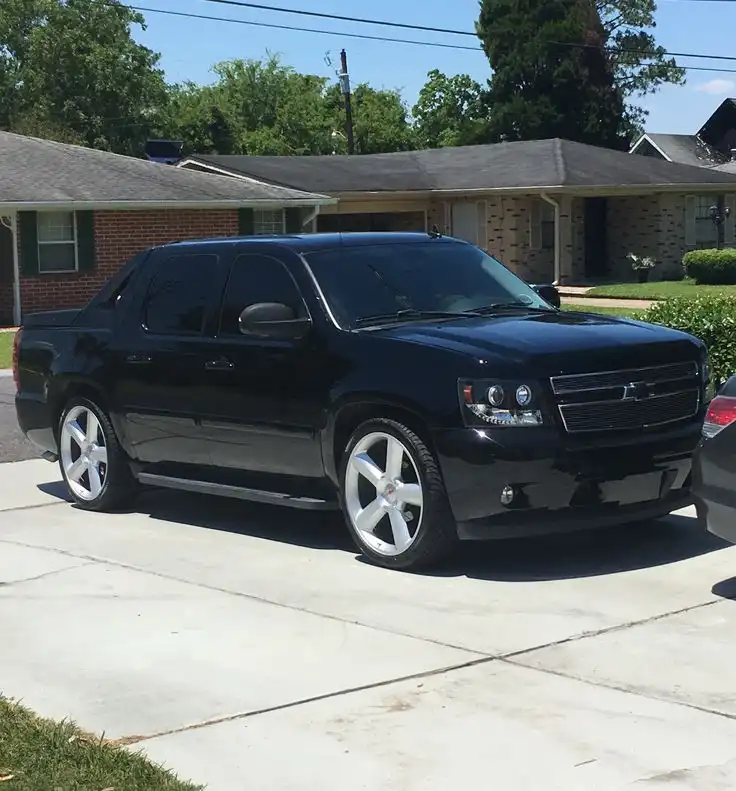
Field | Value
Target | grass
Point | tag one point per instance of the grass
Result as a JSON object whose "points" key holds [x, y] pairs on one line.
{"points": [[627, 313], [678, 288], [41, 755], [6, 349]]}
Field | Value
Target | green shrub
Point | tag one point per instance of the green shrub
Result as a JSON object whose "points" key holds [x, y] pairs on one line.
{"points": [[711, 267], [710, 318]]}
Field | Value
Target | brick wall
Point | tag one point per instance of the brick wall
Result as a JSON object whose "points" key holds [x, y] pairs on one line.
{"points": [[633, 227], [118, 237]]}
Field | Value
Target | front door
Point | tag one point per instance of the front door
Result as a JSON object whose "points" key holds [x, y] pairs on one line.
{"points": [[161, 368], [264, 397], [596, 239]]}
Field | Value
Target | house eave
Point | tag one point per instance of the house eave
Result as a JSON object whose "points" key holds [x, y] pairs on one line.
{"points": [[158, 205]]}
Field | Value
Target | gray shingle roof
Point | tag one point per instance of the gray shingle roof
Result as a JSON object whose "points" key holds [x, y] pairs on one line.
{"points": [[34, 171], [528, 165], [687, 150]]}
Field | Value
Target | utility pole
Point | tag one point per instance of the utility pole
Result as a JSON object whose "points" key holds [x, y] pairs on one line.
{"points": [[345, 85]]}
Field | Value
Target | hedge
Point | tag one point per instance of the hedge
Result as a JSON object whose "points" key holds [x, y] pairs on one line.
{"points": [[711, 267], [711, 318]]}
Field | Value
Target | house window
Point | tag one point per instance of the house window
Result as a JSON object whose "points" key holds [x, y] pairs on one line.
{"points": [[57, 242], [706, 233], [268, 222], [547, 223]]}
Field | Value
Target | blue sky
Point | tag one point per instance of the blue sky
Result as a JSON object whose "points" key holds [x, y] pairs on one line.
{"points": [[189, 47]]}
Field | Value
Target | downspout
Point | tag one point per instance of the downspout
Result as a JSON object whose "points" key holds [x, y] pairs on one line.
{"points": [[556, 206], [11, 223], [311, 218]]}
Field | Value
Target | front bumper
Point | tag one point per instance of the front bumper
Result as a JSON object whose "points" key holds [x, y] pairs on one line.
{"points": [[559, 488]]}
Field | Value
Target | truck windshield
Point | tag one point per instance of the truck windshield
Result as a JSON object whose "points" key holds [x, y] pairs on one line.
{"points": [[413, 281]]}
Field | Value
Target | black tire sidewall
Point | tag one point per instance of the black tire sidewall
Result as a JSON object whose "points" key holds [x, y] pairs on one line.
{"points": [[437, 531]]}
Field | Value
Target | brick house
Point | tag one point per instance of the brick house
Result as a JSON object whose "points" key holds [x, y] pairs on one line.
{"points": [[71, 216], [549, 209]]}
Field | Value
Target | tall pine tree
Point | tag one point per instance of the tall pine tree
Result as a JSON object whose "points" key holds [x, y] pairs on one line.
{"points": [[551, 74]]}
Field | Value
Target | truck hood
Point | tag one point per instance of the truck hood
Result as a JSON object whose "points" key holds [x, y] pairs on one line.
{"points": [[553, 343]]}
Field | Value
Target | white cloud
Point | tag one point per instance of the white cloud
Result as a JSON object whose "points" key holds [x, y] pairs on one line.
{"points": [[716, 87]]}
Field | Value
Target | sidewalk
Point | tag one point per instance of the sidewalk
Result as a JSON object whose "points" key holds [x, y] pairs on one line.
{"points": [[602, 302]]}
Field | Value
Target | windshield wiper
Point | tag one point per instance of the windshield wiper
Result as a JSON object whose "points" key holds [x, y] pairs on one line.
{"points": [[499, 306], [411, 314]]}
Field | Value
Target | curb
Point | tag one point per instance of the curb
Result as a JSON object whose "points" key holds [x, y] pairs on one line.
{"points": [[605, 296]]}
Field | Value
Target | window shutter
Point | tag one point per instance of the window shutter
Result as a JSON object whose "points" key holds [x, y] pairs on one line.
{"points": [[691, 239], [85, 241], [293, 222], [246, 222], [535, 225], [728, 226], [28, 243]]}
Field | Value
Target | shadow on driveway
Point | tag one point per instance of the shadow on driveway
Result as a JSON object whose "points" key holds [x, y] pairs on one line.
{"points": [[565, 556]]}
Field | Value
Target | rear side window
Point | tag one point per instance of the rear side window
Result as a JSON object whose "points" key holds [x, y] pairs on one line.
{"points": [[181, 294], [257, 278]]}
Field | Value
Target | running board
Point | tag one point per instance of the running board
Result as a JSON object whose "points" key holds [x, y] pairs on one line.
{"points": [[236, 492]]}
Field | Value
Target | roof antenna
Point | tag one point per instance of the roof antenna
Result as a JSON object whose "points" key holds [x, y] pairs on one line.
{"points": [[435, 232]]}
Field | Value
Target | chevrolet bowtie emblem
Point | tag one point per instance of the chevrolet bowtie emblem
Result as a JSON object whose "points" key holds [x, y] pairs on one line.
{"points": [[636, 391]]}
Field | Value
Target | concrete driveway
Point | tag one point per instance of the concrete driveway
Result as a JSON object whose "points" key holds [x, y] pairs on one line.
{"points": [[248, 647]]}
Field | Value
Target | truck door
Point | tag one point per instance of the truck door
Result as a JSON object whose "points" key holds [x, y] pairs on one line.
{"points": [[264, 398], [161, 356]]}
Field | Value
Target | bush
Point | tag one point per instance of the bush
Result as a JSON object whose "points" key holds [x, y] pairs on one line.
{"points": [[711, 267], [710, 318]]}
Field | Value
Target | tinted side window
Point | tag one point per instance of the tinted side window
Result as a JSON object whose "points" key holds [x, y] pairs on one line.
{"points": [[180, 294], [257, 278]]}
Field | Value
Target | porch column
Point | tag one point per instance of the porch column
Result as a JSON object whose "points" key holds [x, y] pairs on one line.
{"points": [[565, 239], [10, 221]]}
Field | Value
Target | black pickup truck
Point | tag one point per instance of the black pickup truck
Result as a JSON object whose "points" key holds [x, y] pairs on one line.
{"points": [[409, 379]]}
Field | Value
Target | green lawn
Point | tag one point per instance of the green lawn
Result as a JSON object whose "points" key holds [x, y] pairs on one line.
{"points": [[626, 313], [6, 349], [37, 754], [679, 288]]}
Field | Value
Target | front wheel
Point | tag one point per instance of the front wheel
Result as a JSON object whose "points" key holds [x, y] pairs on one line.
{"points": [[94, 467], [393, 497]]}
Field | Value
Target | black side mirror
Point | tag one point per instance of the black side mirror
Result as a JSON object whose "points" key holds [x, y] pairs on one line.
{"points": [[549, 293], [273, 320]]}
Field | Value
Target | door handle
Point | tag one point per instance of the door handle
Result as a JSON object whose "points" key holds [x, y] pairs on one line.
{"points": [[220, 364], [138, 359]]}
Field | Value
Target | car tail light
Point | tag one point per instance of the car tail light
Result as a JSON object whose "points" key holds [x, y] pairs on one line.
{"points": [[16, 349], [721, 413]]}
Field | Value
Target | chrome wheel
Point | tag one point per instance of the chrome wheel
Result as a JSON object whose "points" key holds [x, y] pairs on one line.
{"points": [[83, 453], [383, 494]]}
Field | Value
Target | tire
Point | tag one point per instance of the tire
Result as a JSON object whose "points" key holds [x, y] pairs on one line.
{"points": [[95, 469], [407, 534]]}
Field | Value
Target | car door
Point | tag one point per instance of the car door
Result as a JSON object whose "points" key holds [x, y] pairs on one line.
{"points": [[265, 397], [160, 365]]}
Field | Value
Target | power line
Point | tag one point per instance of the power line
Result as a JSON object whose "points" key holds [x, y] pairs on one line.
{"points": [[450, 31], [391, 40]]}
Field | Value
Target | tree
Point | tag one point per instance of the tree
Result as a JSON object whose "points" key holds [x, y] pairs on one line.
{"points": [[640, 65], [551, 74], [450, 111], [380, 120], [77, 74]]}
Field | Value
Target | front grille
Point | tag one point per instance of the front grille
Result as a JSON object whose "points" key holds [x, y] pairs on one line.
{"points": [[628, 400]]}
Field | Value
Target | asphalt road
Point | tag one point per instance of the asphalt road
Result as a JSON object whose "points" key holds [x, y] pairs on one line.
{"points": [[13, 445]]}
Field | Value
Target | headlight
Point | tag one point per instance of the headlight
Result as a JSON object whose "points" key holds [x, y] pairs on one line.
{"points": [[500, 403]]}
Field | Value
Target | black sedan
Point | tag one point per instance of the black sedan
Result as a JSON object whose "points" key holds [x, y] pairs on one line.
{"points": [[714, 467]]}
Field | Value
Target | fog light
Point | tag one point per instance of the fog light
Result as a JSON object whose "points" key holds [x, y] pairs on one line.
{"points": [[507, 495]]}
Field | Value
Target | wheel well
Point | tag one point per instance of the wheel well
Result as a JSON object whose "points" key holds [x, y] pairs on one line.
{"points": [[74, 390], [353, 415]]}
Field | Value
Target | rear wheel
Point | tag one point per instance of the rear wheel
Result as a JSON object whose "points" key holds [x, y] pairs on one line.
{"points": [[94, 467], [393, 497]]}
